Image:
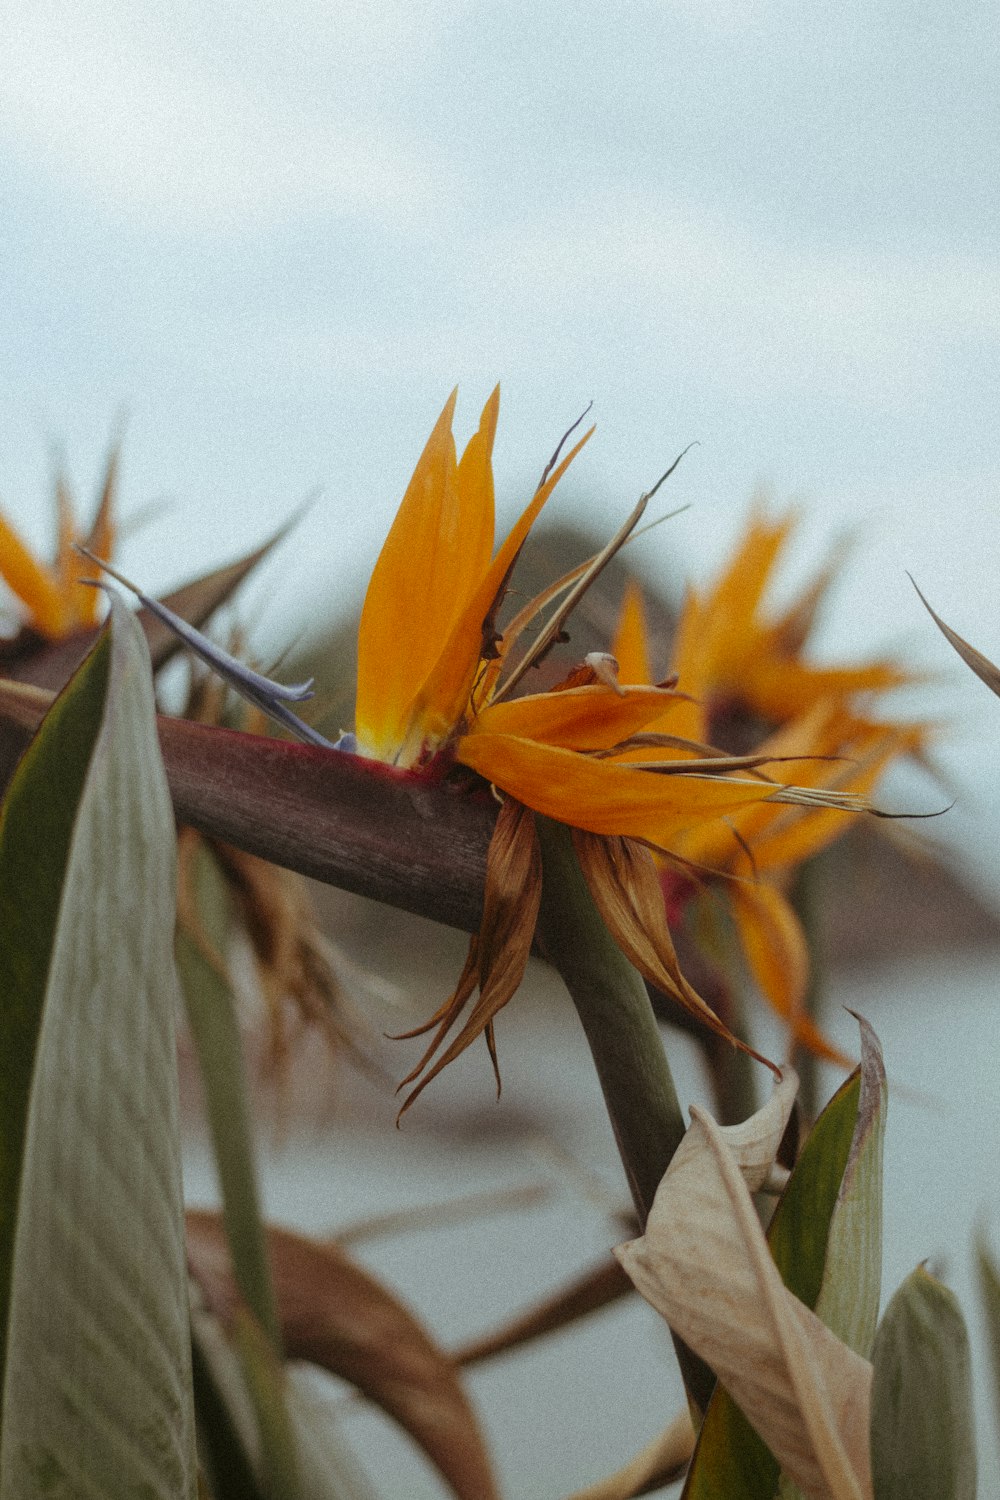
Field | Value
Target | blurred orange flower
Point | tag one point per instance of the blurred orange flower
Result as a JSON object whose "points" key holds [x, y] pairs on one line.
{"points": [[55, 601], [750, 687]]}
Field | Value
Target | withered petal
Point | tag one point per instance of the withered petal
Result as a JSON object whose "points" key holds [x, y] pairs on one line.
{"points": [[511, 900], [625, 885]]}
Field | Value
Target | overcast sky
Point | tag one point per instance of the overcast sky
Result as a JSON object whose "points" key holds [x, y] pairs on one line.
{"points": [[277, 238]]}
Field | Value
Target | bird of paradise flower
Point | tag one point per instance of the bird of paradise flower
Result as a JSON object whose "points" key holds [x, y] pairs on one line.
{"points": [[437, 673], [749, 683]]}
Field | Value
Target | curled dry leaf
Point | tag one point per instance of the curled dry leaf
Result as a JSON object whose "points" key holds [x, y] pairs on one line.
{"points": [[337, 1316], [705, 1265]]}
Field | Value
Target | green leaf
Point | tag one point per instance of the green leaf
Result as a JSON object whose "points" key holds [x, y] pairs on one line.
{"points": [[211, 1015], [730, 1459], [228, 1448], [266, 1385], [989, 1289], [851, 1289], [97, 1373], [922, 1437]]}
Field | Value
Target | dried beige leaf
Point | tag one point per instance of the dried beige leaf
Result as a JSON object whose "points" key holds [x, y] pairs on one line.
{"points": [[704, 1264]]}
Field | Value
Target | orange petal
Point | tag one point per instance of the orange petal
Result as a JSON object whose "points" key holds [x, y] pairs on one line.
{"points": [[476, 503], [717, 643], [33, 584], [445, 694], [737, 595], [631, 641], [431, 564], [690, 661], [594, 717], [411, 595], [778, 835], [775, 946], [67, 534], [602, 795], [779, 688], [781, 842]]}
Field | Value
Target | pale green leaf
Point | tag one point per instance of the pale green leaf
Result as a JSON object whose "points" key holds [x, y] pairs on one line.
{"points": [[989, 1290], [922, 1438], [211, 1015], [849, 1295], [97, 1387]]}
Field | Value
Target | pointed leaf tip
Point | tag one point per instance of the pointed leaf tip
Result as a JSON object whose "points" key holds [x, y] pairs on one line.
{"points": [[984, 669]]}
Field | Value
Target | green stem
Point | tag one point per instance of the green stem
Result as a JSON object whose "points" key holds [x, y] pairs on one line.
{"points": [[734, 1085], [806, 898], [625, 1042], [617, 1016]]}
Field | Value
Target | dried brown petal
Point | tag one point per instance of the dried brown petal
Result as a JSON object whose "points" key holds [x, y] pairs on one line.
{"points": [[500, 954], [625, 885]]}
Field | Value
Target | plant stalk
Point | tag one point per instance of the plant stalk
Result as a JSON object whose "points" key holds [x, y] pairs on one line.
{"points": [[806, 898], [625, 1043]]}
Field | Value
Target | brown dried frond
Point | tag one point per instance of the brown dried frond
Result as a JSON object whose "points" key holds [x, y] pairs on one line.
{"points": [[294, 961], [499, 954], [623, 880]]}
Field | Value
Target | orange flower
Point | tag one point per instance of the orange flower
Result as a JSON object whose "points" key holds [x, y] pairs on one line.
{"points": [[57, 604], [736, 658], [746, 675], [434, 691]]}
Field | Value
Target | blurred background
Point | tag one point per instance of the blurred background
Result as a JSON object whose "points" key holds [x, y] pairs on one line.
{"points": [[271, 240]]}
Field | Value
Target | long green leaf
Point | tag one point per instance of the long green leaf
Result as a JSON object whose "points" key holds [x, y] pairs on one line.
{"points": [[730, 1458], [211, 1014], [851, 1289], [97, 1377], [988, 1276], [922, 1437]]}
